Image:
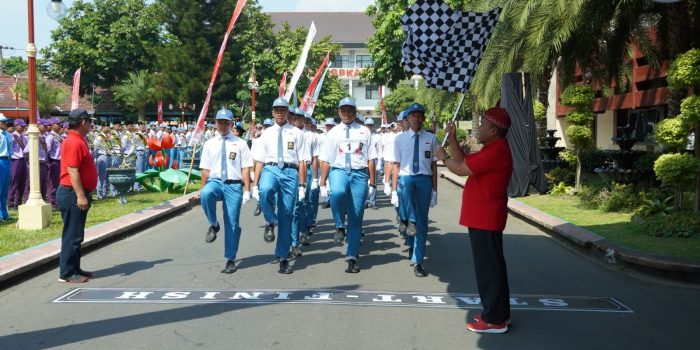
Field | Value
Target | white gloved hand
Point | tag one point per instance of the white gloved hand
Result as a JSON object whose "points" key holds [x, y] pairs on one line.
{"points": [[433, 200], [256, 193], [372, 191], [302, 193], [324, 193], [314, 184], [246, 197], [387, 189], [395, 199]]}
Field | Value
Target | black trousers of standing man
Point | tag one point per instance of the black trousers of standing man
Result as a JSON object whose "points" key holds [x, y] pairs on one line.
{"points": [[491, 274], [73, 230]]}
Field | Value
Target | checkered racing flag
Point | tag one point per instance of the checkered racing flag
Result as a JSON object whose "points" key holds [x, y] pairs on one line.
{"points": [[443, 45]]}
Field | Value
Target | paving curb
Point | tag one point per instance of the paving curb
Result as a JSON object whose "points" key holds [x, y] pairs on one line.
{"points": [[586, 241], [16, 264]]}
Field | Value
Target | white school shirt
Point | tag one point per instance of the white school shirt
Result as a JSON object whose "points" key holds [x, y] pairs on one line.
{"points": [[388, 147], [237, 154], [403, 152], [357, 145], [294, 148], [311, 143], [375, 145]]}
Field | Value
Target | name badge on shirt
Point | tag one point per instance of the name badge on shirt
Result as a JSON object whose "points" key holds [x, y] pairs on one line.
{"points": [[290, 145], [232, 155], [427, 154]]}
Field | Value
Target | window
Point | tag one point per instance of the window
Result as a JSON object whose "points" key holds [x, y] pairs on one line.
{"points": [[372, 92], [343, 61], [644, 122], [364, 61]]}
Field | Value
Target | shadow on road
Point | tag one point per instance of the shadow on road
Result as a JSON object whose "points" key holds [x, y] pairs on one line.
{"points": [[128, 269]]}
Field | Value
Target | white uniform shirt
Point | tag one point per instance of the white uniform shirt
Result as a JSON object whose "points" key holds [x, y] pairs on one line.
{"points": [[294, 148], [190, 138], [311, 143], [404, 145], [237, 154], [375, 145], [388, 147], [127, 145], [357, 145]]}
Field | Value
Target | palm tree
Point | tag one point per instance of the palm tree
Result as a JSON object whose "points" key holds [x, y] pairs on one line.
{"points": [[136, 92]]}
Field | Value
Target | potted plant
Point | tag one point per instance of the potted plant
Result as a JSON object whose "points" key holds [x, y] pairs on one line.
{"points": [[123, 176]]}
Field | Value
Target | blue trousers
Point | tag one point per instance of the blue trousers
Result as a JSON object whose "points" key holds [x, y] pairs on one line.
{"points": [[116, 162], [73, 230], [401, 209], [417, 190], [232, 197], [174, 156], [348, 197], [5, 167], [141, 165], [300, 222], [280, 185], [313, 201], [103, 162]]}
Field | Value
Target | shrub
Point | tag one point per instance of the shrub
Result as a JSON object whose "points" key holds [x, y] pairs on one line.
{"points": [[676, 169], [579, 96], [622, 198], [675, 225], [558, 175], [539, 110], [594, 158], [672, 133], [690, 110], [580, 117], [684, 71], [568, 156], [579, 135], [559, 190], [589, 196], [651, 207], [645, 163]]}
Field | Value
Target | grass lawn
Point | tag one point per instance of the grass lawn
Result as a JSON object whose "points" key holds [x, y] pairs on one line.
{"points": [[13, 239], [616, 227]]}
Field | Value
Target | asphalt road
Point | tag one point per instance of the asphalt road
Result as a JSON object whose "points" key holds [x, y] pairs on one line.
{"points": [[173, 257]]}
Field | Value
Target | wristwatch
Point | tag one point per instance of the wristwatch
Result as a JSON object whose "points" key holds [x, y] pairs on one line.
{"points": [[373, 186], [302, 185]]}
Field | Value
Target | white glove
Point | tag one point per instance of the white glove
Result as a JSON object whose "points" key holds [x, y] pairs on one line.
{"points": [[395, 199], [387, 189], [314, 184], [246, 197], [433, 200], [372, 191], [302, 193], [256, 193], [324, 193]]}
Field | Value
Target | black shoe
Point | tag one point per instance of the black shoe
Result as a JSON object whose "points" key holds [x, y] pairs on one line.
{"points": [[366, 205], [73, 279], [309, 231], [325, 206], [304, 238], [374, 207], [285, 268], [410, 253], [257, 211], [353, 266], [340, 235], [269, 235], [296, 251], [402, 225], [84, 273], [418, 271], [411, 229], [230, 267], [211, 234]]}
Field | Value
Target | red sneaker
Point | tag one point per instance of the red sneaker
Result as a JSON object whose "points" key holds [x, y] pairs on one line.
{"points": [[483, 327], [477, 318]]}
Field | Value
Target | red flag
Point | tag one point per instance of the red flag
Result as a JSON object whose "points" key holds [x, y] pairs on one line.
{"points": [[308, 96], [205, 108], [381, 103], [75, 96], [283, 84], [160, 112]]}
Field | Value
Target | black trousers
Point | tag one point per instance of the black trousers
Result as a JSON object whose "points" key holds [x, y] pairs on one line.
{"points": [[491, 274], [73, 230]]}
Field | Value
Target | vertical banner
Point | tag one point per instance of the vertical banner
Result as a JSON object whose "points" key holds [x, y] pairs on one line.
{"points": [[312, 105], [302, 61], [205, 108], [312, 86], [381, 104], [283, 84], [160, 112], [75, 96]]}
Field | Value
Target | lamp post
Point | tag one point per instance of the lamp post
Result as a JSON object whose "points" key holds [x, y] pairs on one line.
{"points": [[183, 106], [253, 85], [35, 214]]}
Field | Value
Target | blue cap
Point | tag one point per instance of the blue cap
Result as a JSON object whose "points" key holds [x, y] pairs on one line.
{"points": [[313, 121], [401, 116], [347, 102], [3, 118], [280, 102], [239, 127], [308, 116], [416, 107], [299, 111], [369, 121], [329, 121], [224, 114], [268, 122]]}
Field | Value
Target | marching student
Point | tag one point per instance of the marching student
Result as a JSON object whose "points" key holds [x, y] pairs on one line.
{"points": [[225, 165], [416, 170], [313, 173], [53, 142], [5, 166], [256, 141], [328, 124], [348, 162], [376, 145], [280, 176], [19, 179], [301, 209], [103, 146]]}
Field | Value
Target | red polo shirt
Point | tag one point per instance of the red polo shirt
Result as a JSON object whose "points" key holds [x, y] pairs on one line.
{"points": [[76, 154], [485, 195]]}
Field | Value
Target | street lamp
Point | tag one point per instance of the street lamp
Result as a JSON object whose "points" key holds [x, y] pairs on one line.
{"points": [[35, 214], [183, 106], [253, 85]]}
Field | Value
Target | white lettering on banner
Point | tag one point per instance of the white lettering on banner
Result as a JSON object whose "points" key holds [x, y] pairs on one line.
{"points": [[176, 295], [553, 302], [319, 296], [428, 300], [469, 300], [282, 296], [240, 295], [210, 295], [386, 298], [346, 73], [134, 295], [514, 301]]}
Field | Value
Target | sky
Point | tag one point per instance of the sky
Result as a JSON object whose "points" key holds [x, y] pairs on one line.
{"points": [[13, 18]]}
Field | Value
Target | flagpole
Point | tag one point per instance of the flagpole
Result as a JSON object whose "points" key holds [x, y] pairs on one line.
{"points": [[454, 116]]}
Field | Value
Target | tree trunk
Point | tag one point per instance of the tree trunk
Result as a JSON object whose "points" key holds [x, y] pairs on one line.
{"points": [[579, 168], [678, 199], [142, 114]]}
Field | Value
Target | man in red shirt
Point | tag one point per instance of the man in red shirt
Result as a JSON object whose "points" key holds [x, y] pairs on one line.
{"points": [[484, 212], [77, 181]]}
